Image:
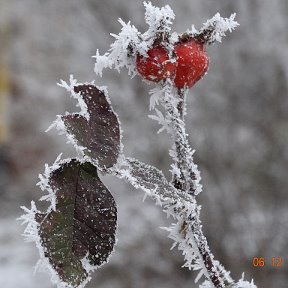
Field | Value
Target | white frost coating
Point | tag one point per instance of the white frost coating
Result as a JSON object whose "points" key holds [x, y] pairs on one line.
{"points": [[244, 284], [58, 123], [117, 58], [174, 204], [173, 123], [70, 88], [221, 26], [102, 62], [206, 284], [91, 268], [155, 95], [223, 272], [44, 182], [31, 231], [158, 20], [175, 170], [159, 117], [184, 238], [174, 38]]}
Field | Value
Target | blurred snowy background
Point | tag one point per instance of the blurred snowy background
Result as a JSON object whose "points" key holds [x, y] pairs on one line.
{"points": [[237, 120]]}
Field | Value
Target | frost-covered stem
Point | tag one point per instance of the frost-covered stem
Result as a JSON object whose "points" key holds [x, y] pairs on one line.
{"points": [[180, 147], [181, 104], [187, 181], [189, 177], [204, 251]]}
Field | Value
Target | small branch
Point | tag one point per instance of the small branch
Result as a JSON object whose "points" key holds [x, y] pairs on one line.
{"points": [[180, 148], [189, 178], [205, 36], [215, 29], [185, 151], [188, 181]]}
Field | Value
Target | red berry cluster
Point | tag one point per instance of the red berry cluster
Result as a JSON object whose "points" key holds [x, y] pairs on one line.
{"points": [[190, 63]]}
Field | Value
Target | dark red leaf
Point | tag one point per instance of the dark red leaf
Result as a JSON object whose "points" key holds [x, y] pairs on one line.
{"points": [[100, 135], [83, 224]]}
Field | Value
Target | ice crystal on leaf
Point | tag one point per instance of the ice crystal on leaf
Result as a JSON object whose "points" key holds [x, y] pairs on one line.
{"points": [[44, 182], [70, 88], [31, 231]]}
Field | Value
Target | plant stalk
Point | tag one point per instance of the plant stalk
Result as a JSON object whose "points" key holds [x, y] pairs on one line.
{"points": [[186, 182]]}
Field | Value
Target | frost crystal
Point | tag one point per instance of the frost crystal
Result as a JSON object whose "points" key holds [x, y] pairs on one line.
{"points": [[44, 182], [244, 284], [70, 88], [155, 95], [182, 236], [174, 124], [119, 53], [218, 26], [31, 230], [158, 19], [206, 284], [31, 234], [161, 120]]}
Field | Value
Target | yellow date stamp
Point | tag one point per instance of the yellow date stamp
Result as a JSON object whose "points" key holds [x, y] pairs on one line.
{"points": [[272, 261]]}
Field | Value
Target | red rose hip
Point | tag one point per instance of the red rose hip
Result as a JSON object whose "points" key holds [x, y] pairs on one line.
{"points": [[157, 66], [192, 63]]}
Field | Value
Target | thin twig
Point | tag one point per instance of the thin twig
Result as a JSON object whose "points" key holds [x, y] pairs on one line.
{"points": [[186, 182]]}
